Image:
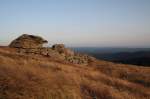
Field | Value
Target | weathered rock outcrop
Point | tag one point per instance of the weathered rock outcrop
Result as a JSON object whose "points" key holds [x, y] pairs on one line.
{"points": [[28, 41], [30, 44], [62, 49]]}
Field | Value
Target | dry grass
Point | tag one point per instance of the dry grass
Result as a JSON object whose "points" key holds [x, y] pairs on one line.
{"points": [[37, 77]]}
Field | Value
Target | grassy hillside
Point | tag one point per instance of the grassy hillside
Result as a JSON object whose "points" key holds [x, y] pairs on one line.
{"points": [[38, 77]]}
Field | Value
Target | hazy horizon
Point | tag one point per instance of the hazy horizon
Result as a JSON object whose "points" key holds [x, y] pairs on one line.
{"points": [[78, 23]]}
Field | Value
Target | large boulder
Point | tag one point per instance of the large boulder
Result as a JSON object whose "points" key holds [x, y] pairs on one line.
{"points": [[59, 47], [62, 49], [28, 41]]}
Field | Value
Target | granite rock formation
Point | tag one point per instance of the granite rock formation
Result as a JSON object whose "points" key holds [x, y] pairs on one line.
{"points": [[62, 49], [30, 44], [28, 41]]}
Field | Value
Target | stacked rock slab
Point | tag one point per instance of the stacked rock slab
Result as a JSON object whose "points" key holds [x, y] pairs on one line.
{"points": [[30, 44], [28, 41]]}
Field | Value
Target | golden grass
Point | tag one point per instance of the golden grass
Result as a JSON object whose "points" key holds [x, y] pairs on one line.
{"points": [[37, 77]]}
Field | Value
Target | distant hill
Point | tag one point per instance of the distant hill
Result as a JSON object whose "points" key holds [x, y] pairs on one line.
{"points": [[135, 58], [108, 50]]}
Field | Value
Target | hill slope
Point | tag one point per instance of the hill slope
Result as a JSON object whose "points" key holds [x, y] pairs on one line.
{"points": [[38, 77]]}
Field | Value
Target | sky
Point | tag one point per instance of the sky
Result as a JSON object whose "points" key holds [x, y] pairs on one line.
{"points": [[78, 23]]}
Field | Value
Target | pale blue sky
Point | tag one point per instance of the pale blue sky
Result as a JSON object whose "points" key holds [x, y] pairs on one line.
{"points": [[103, 23]]}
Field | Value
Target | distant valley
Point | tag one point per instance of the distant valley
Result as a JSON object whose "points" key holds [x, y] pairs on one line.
{"points": [[135, 56]]}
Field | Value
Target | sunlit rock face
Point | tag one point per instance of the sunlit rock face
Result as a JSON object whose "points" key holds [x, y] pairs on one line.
{"points": [[28, 41]]}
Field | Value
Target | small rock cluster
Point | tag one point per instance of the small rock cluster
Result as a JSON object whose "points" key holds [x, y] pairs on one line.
{"points": [[30, 44]]}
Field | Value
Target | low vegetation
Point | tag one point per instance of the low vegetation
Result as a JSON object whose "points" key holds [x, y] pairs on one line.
{"points": [[40, 77]]}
